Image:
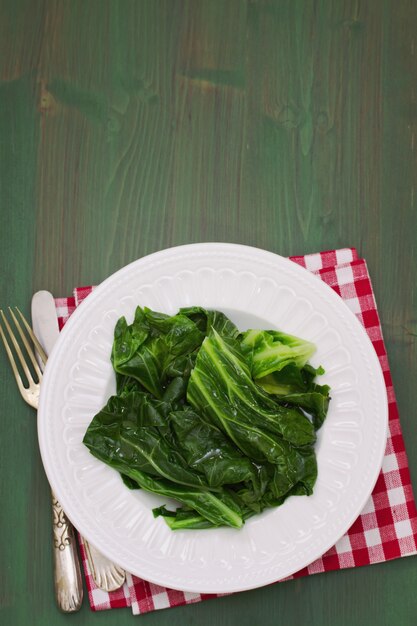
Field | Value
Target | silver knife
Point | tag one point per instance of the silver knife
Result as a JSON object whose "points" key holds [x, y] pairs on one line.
{"points": [[106, 574]]}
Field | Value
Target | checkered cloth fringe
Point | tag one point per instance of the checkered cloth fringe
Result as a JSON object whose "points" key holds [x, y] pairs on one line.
{"points": [[387, 527]]}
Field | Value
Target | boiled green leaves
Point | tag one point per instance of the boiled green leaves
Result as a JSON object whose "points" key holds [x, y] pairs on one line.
{"points": [[223, 422]]}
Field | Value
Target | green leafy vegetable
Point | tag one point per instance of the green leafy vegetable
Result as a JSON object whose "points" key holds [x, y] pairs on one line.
{"points": [[128, 432], [221, 388], [223, 422], [208, 451], [270, 350], [219, 509], [145, 349], [294, 386]]}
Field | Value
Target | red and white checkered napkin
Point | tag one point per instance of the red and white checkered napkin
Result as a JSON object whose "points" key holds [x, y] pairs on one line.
{"points": [[387, 527]]}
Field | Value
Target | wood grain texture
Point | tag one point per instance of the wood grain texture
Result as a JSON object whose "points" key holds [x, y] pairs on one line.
{"points": [[127, 126]]}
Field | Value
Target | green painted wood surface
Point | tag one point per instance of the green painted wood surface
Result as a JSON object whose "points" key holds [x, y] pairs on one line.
{"points": [[127, 126]]}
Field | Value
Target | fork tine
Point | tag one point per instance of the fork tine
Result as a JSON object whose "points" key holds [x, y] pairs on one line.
{"points": [[18, 349], [22, 389], [28, 347], [34, 338]]}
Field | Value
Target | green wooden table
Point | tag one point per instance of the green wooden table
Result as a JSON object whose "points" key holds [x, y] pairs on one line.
{"points": [[128, 126]]}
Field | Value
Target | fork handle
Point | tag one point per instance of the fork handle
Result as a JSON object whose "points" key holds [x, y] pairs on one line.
{"points": [[67, 572]]}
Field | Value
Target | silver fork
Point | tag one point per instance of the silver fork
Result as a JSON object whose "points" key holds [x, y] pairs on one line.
{"points": [[67, 572], [68, 586]]}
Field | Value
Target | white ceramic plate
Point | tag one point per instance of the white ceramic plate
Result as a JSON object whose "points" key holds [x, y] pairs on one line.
{"points": [[256, 289]]}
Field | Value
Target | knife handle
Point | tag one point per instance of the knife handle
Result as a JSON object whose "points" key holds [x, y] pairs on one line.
{"points": [[67, 572]]}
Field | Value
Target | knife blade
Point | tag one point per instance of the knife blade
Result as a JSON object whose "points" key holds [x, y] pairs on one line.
{"points": [[44, 320], [106, 574]]}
